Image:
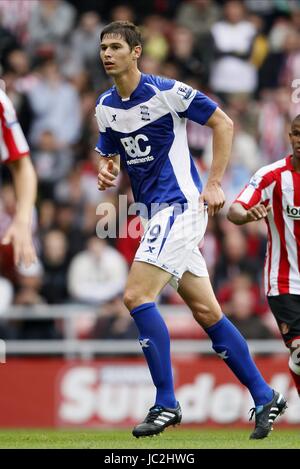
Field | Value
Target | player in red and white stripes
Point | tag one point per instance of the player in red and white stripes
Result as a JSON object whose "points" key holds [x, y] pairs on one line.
{"points": [[273, 194], [14, 151]]}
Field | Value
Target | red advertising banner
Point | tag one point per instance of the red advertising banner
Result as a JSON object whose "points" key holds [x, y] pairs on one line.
{"points": [[118, 392]]}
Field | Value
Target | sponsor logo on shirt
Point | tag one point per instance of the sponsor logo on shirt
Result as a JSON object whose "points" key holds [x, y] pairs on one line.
{"points": [[293, 212], [137, 149], [185, 91]]}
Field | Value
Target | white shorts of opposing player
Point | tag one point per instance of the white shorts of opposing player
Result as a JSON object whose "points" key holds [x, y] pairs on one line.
{"points": [[171, 241]]}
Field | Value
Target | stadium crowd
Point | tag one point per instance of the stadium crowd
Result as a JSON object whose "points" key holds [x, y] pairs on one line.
{"points": [[243, 54]]}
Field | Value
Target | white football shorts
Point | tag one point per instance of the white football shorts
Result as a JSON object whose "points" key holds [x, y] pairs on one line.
{"points": [[171, 239]]}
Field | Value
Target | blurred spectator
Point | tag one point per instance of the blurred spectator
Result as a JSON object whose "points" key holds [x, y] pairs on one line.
{"points": [[171, 70], [149, 65], [256, 234], [183, 52], [55, 261], [52, 161], [114, 322], [234, 259], [46, 216], [68, 221], [291, 60], [274, 116], [154, 35], [28, 294], [69, 190], [243, 317], [122, 12], [260, 46], [56, 106], [198, 16], [261, 7], [242, 282], [88, 178], [97, 274], [282, 65], [8, 42], [15, 16], [232, 71], [278, 34], [50, 24], [85, 44], [18, 63]]}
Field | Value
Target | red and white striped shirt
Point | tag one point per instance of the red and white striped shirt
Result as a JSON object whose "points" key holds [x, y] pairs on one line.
{"points": [[278, 184], [13, 144]]}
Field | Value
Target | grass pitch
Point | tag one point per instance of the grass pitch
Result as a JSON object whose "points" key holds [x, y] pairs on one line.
{"points": [[179, 438]]}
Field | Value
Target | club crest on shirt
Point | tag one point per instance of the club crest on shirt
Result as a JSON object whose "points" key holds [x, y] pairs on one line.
{"points": [[145, 112]]}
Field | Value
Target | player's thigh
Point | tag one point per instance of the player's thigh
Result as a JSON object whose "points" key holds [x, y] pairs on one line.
{"points": [[144, 283], [286, 310], [198, 294]]}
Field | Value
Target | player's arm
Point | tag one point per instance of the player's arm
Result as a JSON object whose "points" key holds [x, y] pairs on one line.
{"points": [[222, 127], [19, 232], [109, 168], [239, 215]]}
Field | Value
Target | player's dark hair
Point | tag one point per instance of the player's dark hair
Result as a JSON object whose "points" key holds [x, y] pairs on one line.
{"points": [[128, 31]]}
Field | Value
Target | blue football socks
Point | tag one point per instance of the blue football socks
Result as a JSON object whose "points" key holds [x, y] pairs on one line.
{"points": [[155, 341], [231, 346]]}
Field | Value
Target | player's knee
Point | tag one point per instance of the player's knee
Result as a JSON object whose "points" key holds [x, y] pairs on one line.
{"points": [[206, 315], [130, 298], [134, 298]]}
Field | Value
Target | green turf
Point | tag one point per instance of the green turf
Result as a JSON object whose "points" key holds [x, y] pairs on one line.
{"points": [[171, 438]]}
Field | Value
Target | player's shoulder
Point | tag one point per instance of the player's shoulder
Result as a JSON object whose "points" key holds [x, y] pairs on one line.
{"points": [[174, 89], [105, 98], [159, 82], [272, 168], [268, 174]]}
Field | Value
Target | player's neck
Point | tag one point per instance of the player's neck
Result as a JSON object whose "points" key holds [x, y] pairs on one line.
{"points": [[296, 164], [127, 83]]}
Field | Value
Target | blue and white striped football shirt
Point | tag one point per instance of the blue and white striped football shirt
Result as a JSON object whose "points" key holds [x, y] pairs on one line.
{"points": [[148, 130]]}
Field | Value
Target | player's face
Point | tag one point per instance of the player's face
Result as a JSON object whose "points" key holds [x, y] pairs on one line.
{"points": [[295, 139], [116, 55]]}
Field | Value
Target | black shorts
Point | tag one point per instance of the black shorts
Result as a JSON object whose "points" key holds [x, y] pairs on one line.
{"points": [[286, 310]]}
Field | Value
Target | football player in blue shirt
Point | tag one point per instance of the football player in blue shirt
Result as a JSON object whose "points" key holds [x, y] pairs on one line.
{"points": [[142, 120]]}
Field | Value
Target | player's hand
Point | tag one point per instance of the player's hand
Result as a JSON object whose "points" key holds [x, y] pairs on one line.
{"points": [[19, 235], [214, 197], [107, 175], [258, 212]]}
